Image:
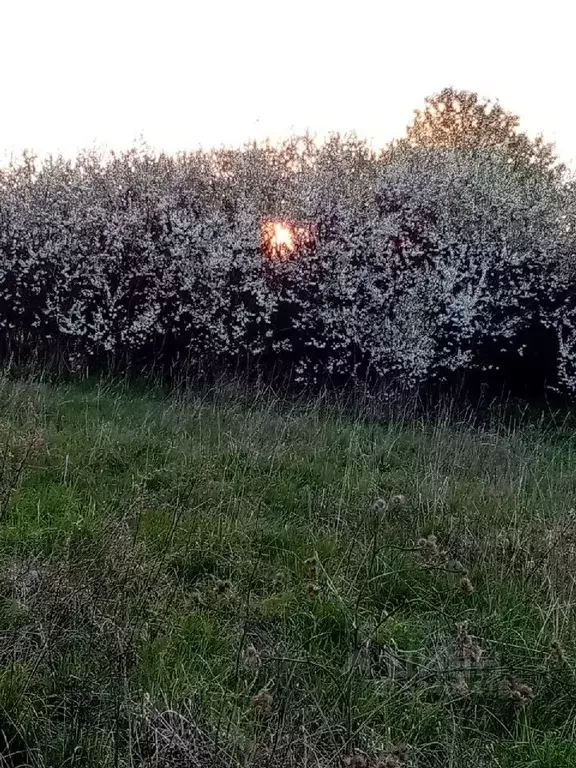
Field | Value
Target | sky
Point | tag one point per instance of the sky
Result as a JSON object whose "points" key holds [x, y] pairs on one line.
{"points": [[182, 73]]}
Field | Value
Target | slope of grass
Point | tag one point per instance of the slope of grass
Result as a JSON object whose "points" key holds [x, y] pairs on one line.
{"points": [[193, 580]]}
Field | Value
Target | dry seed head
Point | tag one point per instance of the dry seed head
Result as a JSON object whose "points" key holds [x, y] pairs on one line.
{"points": [[429, 547], [312, 565], [223, 586], [263, 701], [466, 585], [380, 505], [396, 757], [460, 687], [356, 760], [462, 632], [313, 588], [469, 649], [520, 693], [401, 751], [251, 657], [556, 652], [471, 652], [398, 501]]}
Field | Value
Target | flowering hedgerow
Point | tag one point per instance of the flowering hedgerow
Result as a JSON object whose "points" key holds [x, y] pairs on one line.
{"points": [[423, 259]]}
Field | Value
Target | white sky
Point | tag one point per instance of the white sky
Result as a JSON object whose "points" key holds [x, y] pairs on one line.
{"points": [[74, 73]]}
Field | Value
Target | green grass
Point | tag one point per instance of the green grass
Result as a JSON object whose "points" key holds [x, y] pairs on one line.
{"points": [[166, 559]]}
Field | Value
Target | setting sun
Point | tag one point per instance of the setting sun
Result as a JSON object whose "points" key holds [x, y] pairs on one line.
{"points": [[281, 239]]}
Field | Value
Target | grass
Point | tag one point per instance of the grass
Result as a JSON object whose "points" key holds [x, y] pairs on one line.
{"points": [[190, 580]]}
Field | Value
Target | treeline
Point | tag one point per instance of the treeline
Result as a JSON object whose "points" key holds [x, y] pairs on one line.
{"points": [[444, 255]]}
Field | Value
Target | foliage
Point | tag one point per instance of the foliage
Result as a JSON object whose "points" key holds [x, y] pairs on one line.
{"points": [[428, 261], [461, 119]]}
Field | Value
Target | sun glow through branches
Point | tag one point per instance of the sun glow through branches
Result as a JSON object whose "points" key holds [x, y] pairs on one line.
{"points": [[281, 239]]}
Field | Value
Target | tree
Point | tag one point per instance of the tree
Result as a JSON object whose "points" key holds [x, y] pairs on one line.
{"points": [[462, 120]]}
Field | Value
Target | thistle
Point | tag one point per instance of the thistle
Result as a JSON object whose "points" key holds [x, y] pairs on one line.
{"points": [[251, 657], [263, 701], [520, 693]]}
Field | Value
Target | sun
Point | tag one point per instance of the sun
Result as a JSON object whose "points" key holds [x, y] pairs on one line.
{"points": [[281, 238]]}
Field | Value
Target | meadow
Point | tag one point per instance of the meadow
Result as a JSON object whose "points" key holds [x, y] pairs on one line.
{"points": [[223, 579]]}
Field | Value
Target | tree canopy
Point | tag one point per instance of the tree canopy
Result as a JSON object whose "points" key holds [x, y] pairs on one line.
{"points": [[462, 120]]}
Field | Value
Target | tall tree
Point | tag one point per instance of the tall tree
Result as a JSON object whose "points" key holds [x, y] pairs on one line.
{"points": [[461, 119]]}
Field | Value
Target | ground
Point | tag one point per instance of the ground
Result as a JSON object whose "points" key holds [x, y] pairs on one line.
{"points": [[220, 579]]}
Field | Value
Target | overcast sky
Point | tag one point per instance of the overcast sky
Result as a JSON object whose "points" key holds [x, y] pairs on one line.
{"points": [[75, 73]]}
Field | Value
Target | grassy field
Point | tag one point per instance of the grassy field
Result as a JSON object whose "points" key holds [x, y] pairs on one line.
{"points": [[197, 581]]}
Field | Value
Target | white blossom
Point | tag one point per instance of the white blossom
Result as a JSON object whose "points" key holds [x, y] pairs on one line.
{"points": [[423, 258]]}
